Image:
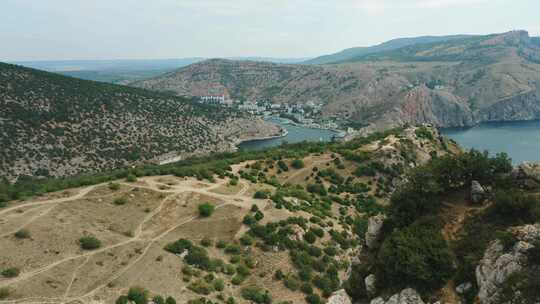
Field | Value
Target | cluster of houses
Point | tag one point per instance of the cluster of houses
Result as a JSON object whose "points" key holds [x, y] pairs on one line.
{"points": [[307, 113]]}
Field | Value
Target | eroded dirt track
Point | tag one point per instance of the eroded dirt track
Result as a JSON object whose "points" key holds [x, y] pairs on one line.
{"points": [[177, 200]]}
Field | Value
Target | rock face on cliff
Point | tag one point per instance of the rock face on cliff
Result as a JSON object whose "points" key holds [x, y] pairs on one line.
{"points": [[375, 224], [339, 297], [498, 266], [453, 83], [406, 296], [528, 174]]}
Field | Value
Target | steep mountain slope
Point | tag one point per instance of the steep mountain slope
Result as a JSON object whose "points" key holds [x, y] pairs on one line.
{"points": [[454, 83], [393, 44], [57, 125]]}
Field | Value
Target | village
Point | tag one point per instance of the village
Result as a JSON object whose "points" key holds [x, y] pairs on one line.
{"points": [[307, 114]]}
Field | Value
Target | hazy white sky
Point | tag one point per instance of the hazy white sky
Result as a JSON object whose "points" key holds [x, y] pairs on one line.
{"points": [[128, 29]]}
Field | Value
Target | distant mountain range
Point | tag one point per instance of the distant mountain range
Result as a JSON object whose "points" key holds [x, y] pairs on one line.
{"points": [[125, 70], [52, 125], [447, 81], [352, 53]]}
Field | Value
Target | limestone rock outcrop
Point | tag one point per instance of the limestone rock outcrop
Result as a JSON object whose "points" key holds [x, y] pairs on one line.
{"points": [[406, 296], [528, 174], [497, 266], [478, 193], [375, 224], [339, 297]]}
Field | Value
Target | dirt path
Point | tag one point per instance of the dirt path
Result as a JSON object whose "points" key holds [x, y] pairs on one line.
{"points": [[238, 199]]}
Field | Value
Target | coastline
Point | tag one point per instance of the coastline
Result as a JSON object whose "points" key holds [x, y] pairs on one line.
{"points": [[238, 142]]}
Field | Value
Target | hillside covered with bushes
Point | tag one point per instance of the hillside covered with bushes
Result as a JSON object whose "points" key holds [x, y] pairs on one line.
{"points": [[52, 125], [391, 216]]}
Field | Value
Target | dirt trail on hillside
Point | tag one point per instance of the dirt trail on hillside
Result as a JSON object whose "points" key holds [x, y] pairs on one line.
{"points": [[186, 186]]}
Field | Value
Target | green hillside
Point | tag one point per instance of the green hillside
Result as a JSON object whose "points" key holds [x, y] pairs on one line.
{"points": [[58, 125]]}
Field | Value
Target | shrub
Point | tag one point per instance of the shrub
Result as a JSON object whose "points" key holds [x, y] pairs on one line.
{"points": [[219, 285], [170, 300], [292, 283], [114, 186], [297, 164], [233, 249], [314, 299], [138, 295], [179, 246], [282, 166], [11, 272], [317, 189], [416, 255], [122, 300], [206, 209], [515, 207], [261, 194], [258, 216], [249, 220], [206, 242], [246, 240], [256, 294], [158, 300], [310, 237], [120, 201], [22, 234], [131, 178], [200, 287], [89, 243], [238, 279], [221, 244], [254, 208]]}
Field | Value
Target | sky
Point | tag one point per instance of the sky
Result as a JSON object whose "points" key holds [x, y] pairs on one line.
{"points": [[152, 29]]}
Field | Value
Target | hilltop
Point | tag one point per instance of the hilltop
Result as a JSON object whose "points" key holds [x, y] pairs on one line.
{"points": [[393, 44], [380, 218], [52, 125], [457, 82]]}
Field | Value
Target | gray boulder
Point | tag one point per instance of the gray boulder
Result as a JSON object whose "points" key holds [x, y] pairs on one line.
{"points": [[478, 193], [375, 224], [339, 297], [528, 174], [371, 281], [406, 296]]}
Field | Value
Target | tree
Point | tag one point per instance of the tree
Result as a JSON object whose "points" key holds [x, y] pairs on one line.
{"points": [[206, 209], [131, 178], [416, 255]]}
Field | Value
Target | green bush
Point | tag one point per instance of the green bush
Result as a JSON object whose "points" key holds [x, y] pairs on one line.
{"points": [[4, 293], [122, 300], [261, 194], [131, 178], [256, 295], [22, 234], [114, 186], [310, 237], [515, 207], [206, 209], [11, 272], [89, 243], [201, 287], [120, 201], [170, 300], [206, 242], [314, 299], [219, 285], [138, 295], [158, 300], [297, 164], [417, 255]]}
